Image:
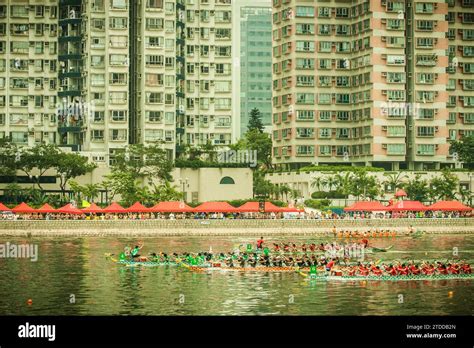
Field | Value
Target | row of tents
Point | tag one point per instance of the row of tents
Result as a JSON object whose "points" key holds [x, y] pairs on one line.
{"points": [[162, 207], [371, 206]]}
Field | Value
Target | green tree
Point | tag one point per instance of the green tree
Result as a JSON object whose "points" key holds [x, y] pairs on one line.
{"points": [[317, 182], [9, 158], [417, 189], [139, 161], [255, 121], [465, 150], [41, 158], [394, 180], [364, 185], [344, 184], [71, 165], [444, 187], [329, 182]]}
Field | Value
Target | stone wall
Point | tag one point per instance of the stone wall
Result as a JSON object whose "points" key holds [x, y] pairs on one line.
{"points": [[224, 227]]}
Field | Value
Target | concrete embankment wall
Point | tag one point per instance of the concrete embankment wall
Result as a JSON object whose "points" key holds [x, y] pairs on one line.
{"points": [[223, 227]]}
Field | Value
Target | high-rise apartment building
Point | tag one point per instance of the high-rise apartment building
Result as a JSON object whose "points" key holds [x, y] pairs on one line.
{"points": [[28, 71], [97, 75], [208, 115], [252, 44], [460, 85], [364, 82]]}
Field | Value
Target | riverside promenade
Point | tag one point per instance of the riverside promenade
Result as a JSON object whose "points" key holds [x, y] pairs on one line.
{"points": [[228, 227]]}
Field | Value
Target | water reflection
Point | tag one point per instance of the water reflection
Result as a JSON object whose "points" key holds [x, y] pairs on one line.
{"points": [[77, 267]]}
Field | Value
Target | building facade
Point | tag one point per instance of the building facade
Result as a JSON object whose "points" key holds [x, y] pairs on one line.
{"points": [[96, 75], [252, 42], [366, 82]]}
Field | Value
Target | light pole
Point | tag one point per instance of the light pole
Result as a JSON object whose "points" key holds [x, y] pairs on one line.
{"points": [[184, 183]]}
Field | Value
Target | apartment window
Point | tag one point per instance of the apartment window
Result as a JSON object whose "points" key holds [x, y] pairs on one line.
{"points": [[425, 96], [395, 77], [154, 4], [118, 4], [325, 63], [19, 11], [222, 33], [223, 86], [424, 7], [325, 46], [222, 69], [19, 137], [97, 61], [425, 149], [154, 23], [325, 116], [118, 41], [97, 135], [154, 41], [118, 22], [97, 5], [304, 29], [304, 98], [396, 41], [118, 134], [118, 59], [396, 131], [425, 25], [324, 132], [98, 24], [169, 99], [223, 16], [303, 80], [324, 12], [98, 117], [305, 63], [154, 116], [153, 135], [395, 24], [169, 118], [395, 60], [305, 150], [324, 98], [154, 60], [424, 42], [19, 47], [222, 103], [118, 78], [425, 78], [97, 79], [395, 149], [451, 118], [342, 12], [394, 95], [154, 98], [119, 115], [305, 132], [425, 131], [223, 51], [305, 115], [118, 97], [169, 62], [324, 29], [18, 100], [325, 150], [169, 136], [342, 98], [304, 11]]}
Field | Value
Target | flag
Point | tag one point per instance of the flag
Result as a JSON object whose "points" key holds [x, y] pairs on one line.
{"points": [[85, 204]]}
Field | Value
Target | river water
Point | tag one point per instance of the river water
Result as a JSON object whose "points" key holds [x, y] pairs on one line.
{"points": [[72, 277]]}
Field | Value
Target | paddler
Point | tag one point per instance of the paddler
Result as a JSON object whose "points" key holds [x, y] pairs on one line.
{"points": [[134, 253], [260, 243]]}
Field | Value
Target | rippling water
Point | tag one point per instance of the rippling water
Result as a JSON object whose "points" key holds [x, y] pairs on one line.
{"points": [[77, 268]]}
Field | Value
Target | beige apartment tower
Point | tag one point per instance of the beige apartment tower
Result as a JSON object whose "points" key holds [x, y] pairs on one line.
{"points": [[367, 83]]}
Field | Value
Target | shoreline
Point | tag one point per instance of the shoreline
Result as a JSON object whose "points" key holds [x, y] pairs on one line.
{"points": [[160, 228]]}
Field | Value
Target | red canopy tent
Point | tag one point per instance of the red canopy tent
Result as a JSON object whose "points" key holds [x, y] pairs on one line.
{"points": [[4, 207], [45, 209], [93, 209], [171, 207], [114, 208], [449, 206], [215, 207], [366, 206], [253, 207], [23, 208], [137, 207], [400, 193], [407, 206], [69, 209]]}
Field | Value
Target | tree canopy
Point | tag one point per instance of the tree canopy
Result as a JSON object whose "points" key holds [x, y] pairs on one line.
{"points": [[464, 149]]}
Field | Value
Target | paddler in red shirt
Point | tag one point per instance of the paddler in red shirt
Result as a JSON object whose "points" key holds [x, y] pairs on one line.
{"points": [[414, 269], [260, 243], [466, 268]]}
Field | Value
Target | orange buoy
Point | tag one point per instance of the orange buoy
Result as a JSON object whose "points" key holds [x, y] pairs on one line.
{"points": [[450, 294], [29, 302]]}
